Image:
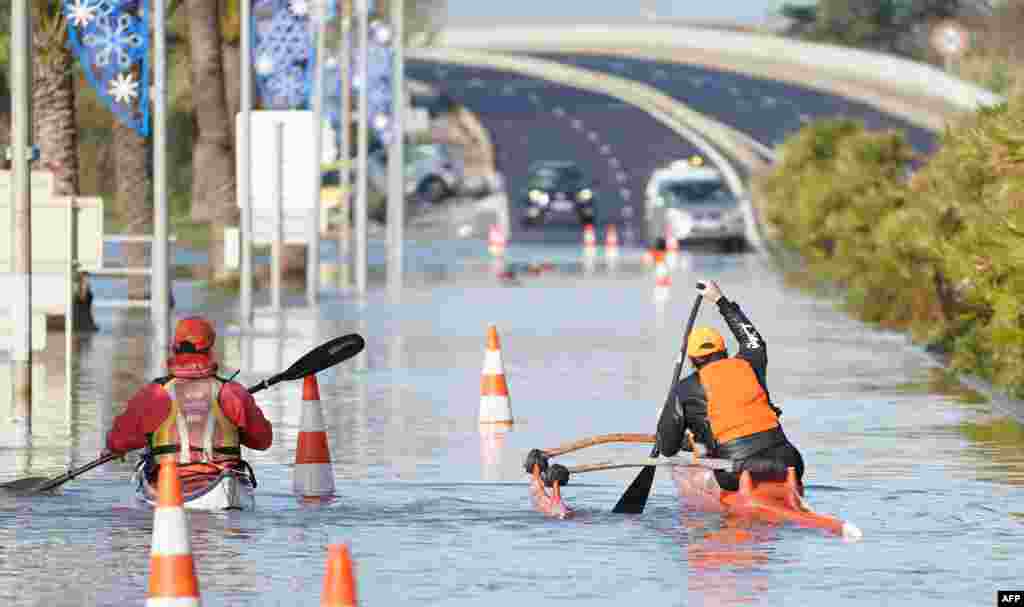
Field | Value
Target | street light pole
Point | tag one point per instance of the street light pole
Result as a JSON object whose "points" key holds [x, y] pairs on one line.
{"points": [[21, 222], [363, 145], [345, 172], [313, 252], [160, 284], [245, 167], [396, 160]]}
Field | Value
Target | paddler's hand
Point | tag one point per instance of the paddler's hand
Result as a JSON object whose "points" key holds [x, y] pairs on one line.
{"points": [[709, 290]]}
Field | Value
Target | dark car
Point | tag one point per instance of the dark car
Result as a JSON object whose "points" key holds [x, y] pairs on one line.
{"points": [[558, 188]]}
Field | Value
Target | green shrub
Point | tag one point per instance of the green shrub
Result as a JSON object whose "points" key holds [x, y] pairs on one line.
{"points": [[940, 255]]}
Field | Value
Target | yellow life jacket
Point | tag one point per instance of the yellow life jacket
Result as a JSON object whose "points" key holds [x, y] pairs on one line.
{"points": [[737, 403], [195, 428]]}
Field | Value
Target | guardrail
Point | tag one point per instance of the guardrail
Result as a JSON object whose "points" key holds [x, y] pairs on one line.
{"points": [[899, 74], [125, 271]]}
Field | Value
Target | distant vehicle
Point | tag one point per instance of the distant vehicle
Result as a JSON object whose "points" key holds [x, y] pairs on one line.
{"points": [[693, 203], [556, 188], [433, 171]]}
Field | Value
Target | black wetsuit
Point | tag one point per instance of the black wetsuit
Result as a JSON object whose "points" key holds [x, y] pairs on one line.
{"points": [[765, 454]]}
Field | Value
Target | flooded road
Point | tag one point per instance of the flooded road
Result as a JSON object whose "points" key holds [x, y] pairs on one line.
{"points": [[438, 514]]}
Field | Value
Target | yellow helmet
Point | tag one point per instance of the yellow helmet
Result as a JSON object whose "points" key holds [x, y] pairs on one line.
{"points": [[704, 341]]}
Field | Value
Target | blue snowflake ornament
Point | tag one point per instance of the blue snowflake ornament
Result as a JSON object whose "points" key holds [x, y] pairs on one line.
{"points": [[282, 54], [110, 39]]}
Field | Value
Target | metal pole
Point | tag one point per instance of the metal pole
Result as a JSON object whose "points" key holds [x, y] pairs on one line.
{"points": [[245, 167], [363, 144], [69, 307], [313, 252], [396, 160], [277, 245], [345, 173], [21, 205], [160, 284]]}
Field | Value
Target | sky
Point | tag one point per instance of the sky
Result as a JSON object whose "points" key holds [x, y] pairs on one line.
{"points": [[476, 11]]}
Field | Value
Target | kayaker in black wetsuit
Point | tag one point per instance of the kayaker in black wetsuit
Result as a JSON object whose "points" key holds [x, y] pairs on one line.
{"points": [[725, 403]]}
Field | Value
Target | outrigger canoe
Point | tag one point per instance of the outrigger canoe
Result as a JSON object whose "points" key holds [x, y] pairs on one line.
{"points": [[769, 501], [209, 488]]}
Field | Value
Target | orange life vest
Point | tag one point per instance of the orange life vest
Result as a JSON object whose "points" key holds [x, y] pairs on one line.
{"points": [[737, 404], [196, 428]]}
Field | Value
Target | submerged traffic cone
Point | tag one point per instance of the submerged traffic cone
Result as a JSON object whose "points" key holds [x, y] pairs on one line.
{"points": [[496, 241], [589, 236], [611, 244], [495, 406], [339, 581], [662, 280], [313, 475], [172, 571], [671, 249]]}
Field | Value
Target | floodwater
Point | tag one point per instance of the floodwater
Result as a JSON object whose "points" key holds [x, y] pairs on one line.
{"points": [[438, 514]]}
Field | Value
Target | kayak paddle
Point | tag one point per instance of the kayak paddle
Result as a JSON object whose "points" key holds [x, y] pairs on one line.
{"points": [[634, 499], [318, 359]]}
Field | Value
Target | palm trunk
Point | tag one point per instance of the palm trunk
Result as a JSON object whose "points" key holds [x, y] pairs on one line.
{"points": [[53, 100], [133, 205], [213, 184]]}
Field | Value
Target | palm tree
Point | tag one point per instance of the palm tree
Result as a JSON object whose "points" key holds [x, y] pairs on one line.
{"points": [[213, 184], [133, 202], [53, 96]]}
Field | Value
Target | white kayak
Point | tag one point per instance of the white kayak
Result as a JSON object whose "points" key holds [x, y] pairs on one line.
{"points": [[224, 489]]}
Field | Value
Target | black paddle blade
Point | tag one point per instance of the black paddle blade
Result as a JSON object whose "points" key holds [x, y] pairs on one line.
{"points": [[634, 499], [24, 485], [324, 356]]}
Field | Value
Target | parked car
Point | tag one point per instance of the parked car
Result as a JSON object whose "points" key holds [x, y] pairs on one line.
{"points": [[693, 203], [433, 171], [557, 188]]}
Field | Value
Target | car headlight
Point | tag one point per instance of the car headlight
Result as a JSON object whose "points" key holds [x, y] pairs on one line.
{"points": [[539, 197], [584, 195]]}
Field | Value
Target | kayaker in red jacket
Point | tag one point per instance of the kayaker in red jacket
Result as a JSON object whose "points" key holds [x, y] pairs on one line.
{"points": [[725, 403], [191, 412]]}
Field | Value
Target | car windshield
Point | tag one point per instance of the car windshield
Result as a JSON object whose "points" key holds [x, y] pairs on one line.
{"points": [[691, 192], [556, 176]]}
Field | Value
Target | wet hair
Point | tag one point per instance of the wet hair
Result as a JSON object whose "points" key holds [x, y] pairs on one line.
{"points": [[700, 361]]}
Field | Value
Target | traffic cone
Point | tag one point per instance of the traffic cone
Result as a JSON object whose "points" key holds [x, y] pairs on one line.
{"points": [[495, 406], [339, 581], [589, 237], [611, 244], [662, 281], [671, 248], [172, 571], [496, 241], [313, 475]]}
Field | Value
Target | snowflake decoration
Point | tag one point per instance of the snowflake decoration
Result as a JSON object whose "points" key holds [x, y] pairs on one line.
{"points": [[265, 65], [288, 88], [124, 88], [299, 7], [81, 12], [118, 39]]}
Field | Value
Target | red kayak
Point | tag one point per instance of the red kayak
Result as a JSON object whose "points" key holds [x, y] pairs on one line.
{"points": [[768, 501]]}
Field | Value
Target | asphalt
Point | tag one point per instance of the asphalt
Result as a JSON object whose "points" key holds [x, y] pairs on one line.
{"points": [[532, 119], [766, 110]]}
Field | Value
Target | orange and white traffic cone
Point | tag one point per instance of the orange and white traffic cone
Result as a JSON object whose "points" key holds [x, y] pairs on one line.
{"points": [[496, 241], [611, 243], [313, 475], [495, 405], [589, 237], [339, 581], [671, 249], [172, 571], [662, 281]]}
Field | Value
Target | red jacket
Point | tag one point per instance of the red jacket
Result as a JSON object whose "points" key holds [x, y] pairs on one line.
{"points": [[152, 404]]}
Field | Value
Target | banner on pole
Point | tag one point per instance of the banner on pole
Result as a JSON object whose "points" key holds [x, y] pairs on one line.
{"points": [[110, 39], [284, 52]]}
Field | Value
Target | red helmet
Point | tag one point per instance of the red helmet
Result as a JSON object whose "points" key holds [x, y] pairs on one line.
{"points": [[191, 349]]}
